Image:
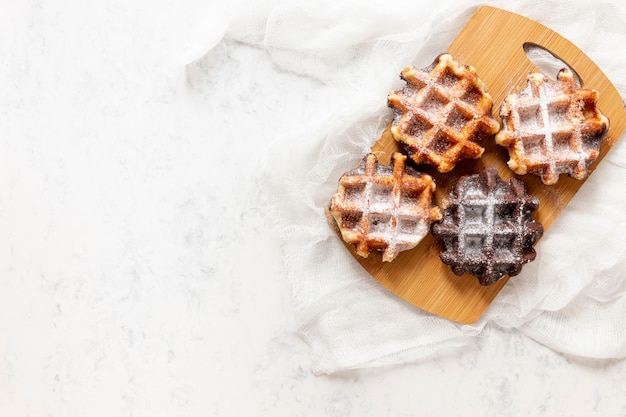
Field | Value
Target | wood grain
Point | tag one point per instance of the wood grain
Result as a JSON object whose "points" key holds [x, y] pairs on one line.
{"points": [[493, 43]]}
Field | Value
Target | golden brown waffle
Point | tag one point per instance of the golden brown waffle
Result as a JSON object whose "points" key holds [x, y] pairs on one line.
{"points": [[442, 113], [488, 228], [552, 128], [384, 208]]}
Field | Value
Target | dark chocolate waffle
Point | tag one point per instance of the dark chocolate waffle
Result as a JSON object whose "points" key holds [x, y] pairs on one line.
{"points": [[488, 229]]}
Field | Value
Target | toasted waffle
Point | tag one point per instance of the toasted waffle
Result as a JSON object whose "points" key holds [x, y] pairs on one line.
{"points": [[442, 113], [552, 128], [384, 208], [488, 228]]}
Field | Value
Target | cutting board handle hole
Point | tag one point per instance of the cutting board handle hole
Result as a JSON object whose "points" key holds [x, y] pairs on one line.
{"points": [[547, 62]]}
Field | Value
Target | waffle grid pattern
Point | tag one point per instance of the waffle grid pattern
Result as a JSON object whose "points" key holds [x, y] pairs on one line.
{"points": [[551, 128], [442, 113], [384, 208], [488, 229]]}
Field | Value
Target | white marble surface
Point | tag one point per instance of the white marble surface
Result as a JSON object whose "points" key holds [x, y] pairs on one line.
{"points": [[139, 275]]}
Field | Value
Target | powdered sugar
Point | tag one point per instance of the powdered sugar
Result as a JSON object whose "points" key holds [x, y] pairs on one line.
{"points": [[488, 229], [547, 131], [379, 207], [440, 112]]}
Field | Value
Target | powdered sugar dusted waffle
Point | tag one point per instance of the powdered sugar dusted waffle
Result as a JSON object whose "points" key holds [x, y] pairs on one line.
{"points": [[488, 229], [386, 208], [442, 113], [552, 128]]}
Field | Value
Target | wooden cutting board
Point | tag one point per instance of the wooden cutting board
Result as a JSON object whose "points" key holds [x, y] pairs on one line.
{"points": [[493, 43]]}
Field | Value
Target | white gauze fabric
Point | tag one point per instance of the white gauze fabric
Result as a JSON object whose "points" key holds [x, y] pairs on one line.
{"points": [[571, 298]]}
